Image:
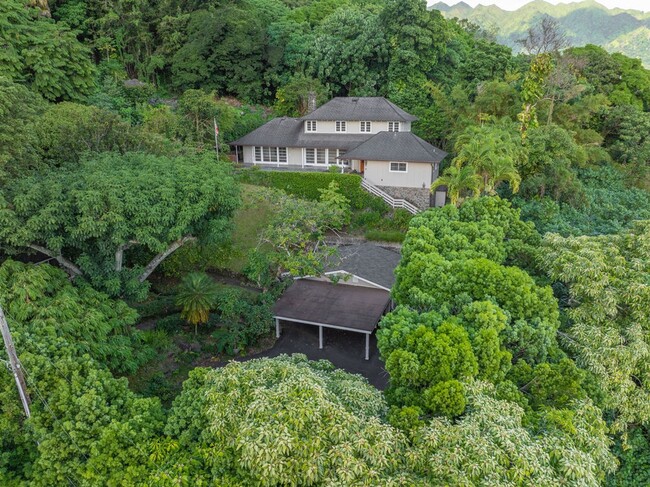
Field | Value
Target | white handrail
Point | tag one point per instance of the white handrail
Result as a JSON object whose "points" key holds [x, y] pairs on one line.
{"points": [[393, 202]]}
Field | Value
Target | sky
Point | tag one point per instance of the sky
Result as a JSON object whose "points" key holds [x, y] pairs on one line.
{"points": [[643, 5]]}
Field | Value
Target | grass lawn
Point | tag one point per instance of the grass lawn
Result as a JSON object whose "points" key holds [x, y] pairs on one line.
{"points": [[250, 219]]}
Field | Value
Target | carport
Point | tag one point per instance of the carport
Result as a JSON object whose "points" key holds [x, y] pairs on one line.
{"points": [[329, 305]]}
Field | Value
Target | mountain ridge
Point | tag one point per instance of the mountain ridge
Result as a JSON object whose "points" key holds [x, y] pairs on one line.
{"points": [[584, 22]]}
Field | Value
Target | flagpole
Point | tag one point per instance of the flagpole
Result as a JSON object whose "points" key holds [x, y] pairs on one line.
{"points": [[216, 137]]}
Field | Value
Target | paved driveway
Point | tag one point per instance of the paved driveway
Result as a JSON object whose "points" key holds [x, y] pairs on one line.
{"points": [[344, 349]]}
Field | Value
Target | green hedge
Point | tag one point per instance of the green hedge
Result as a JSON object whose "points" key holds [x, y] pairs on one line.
{"points": [[306, 185]]}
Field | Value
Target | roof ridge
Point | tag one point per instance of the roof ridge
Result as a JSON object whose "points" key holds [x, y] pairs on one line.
{"points": [[394, 107], [421, 140]]}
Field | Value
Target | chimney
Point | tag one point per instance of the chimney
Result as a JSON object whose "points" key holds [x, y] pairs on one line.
{"points": [[311, 102]]}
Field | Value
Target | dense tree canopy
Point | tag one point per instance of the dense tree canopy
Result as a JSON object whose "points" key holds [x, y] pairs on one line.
{"points": [[86, 426], [507, 350], [607, 280], [44, 54], [114, 218]]}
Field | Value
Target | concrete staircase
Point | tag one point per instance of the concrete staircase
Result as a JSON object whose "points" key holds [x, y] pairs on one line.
{"points": [[393, 202]]}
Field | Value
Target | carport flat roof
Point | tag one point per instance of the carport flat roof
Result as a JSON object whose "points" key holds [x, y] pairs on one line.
{"points": [[332, 305]]}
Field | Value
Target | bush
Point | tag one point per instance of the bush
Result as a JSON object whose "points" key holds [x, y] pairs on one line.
{"points": [[366, 219], [385, 235], [244, 319], [159, 306], [306, 185], [400, 220], [170, 324], [156, 339]]}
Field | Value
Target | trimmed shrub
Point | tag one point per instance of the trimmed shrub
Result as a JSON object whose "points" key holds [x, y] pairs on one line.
{"points": [[307, 185]]}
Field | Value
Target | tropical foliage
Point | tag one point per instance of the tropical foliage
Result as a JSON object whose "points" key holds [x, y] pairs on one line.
{"points": [[196, 295], [514, 357], [91, 219]]}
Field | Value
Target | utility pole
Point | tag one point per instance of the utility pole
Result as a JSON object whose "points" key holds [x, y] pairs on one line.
{"points": [[216, 137], [15, 364]]}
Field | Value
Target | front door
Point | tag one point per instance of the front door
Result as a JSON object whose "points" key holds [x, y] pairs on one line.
{"points": [[362, 166]]}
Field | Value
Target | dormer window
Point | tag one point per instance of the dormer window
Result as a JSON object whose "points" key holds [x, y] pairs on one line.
{"points": [[341, 126], [311, 126], [393, 126], [366, 127]]}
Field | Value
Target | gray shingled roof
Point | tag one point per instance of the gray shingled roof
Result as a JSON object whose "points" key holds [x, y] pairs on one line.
{"points": [[396, 146], [368, 261], [360, 108], [352, 307], [288, 132]]}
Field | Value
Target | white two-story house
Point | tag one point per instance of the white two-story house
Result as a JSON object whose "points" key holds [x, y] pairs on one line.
{"points": [[368, 135]]}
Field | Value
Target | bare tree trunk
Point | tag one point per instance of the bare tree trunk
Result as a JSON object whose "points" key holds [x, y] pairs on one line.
{"points": [[72, 269], [550, 111], [119, 257], [119, 254], [155, 262]]}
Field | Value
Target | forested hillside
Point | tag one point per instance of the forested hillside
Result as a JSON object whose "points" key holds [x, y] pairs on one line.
{"points": [[585, 22], [136, 263]]}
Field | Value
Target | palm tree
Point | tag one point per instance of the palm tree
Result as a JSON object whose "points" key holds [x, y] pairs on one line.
{"points": [[196, 295], [491, 155], [496, 170], [459, 182]]}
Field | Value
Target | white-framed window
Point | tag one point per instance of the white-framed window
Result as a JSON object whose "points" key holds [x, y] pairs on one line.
{"points": [[322, 157], [398, 167], [331, 157], [341, 126], [276, 155], [365, 127], [393, 126], [310, 156], [310, 126]]}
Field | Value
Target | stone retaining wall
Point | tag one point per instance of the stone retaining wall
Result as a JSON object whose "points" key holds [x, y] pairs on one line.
{"points": [[418, 196]]}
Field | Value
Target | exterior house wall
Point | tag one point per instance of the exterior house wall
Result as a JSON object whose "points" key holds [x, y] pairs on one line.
{"points": [[294, 156], [418, 175], [248, 154], [354, 127]]}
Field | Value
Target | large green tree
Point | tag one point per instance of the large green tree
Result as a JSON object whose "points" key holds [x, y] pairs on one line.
{"points": [[114, 218], [42, 53], [348, 53], [608, 313], [19, 110], [86, 427], [282, 421]]}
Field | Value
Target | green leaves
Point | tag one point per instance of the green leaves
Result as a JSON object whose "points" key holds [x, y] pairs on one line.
{"points": [[285, 421], [196, 295], [46, 55], [607, 278], [112, 204]]}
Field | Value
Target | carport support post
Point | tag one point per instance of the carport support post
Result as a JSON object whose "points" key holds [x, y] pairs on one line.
{"points": [[320, 337], [277, 328], [367, 346]]}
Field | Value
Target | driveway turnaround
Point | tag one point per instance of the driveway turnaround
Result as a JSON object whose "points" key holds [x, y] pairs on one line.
{"points": [[344, 349]]}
